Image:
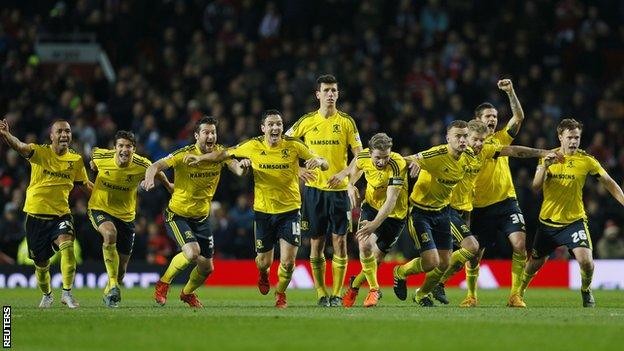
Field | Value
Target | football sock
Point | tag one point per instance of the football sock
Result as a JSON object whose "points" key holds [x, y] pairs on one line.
{"points": [[518, 261], [177, 264], [43, 278], [111, 261], [339, 270], [318, 274], [196, 279], [369, 269], [68, 263], [283, 276]]}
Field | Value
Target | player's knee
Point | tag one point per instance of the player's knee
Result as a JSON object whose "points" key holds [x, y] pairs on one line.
{"points": [[366, 249], [109, 236], [430, 263], [471, 245], [518, 243], [586, 264], [42, 263], [192, 256], [63, 238], [288, 264], [263, 262]]}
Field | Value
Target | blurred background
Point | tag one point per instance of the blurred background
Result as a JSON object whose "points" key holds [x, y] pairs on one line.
{"points": [[404, 67]]}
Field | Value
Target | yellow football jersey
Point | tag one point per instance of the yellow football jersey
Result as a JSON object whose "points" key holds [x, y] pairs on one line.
{"points": [[194, 186], [439, 174], [329, 138], [52, 177], [275, 172], [463, 193], [115, 189], [563, 188], [394, 174], [494, 183]]}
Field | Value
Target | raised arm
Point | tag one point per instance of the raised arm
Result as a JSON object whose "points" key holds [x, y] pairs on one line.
{"points": [[17, 145], [516, 109], [392, 194], [150, 173], [612, 187]]}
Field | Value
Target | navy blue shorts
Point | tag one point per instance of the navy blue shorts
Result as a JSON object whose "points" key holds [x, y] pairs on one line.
{"points": [[430, 229], [42, 230], [548, 238], [501, 218], [325, 212], [186, 230], [125, 230], [269, 228], [388, 232], [459, 228]]}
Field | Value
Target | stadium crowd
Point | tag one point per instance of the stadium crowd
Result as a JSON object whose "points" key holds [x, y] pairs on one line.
{"points": [[404, 67]]}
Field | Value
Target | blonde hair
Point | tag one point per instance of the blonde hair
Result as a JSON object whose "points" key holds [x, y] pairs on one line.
{"points": [[380, 141], [477, 127]]}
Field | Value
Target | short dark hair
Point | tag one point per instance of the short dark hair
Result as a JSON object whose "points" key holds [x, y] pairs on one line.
{"points": [[269, 112], [479, 110], [124, 134], [59, 120], [327, 79], [458, 123], [568, 124], [205, 120]]}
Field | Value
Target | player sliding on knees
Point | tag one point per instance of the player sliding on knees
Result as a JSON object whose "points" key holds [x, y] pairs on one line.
{"points": [[274, 159]]}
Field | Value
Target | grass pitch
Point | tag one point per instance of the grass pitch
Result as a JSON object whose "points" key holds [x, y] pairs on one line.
{"points": [[242, 319]]}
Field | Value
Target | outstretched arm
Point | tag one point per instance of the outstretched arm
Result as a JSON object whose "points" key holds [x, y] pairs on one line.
{"points": [[518, 114], [612, 187], [528, 152], [16, 144]]}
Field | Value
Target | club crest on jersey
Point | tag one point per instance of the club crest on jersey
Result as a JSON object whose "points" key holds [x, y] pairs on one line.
{"points": [[129, 178], [336, 128], [570, 164], [70, 165], [285, 153]]}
